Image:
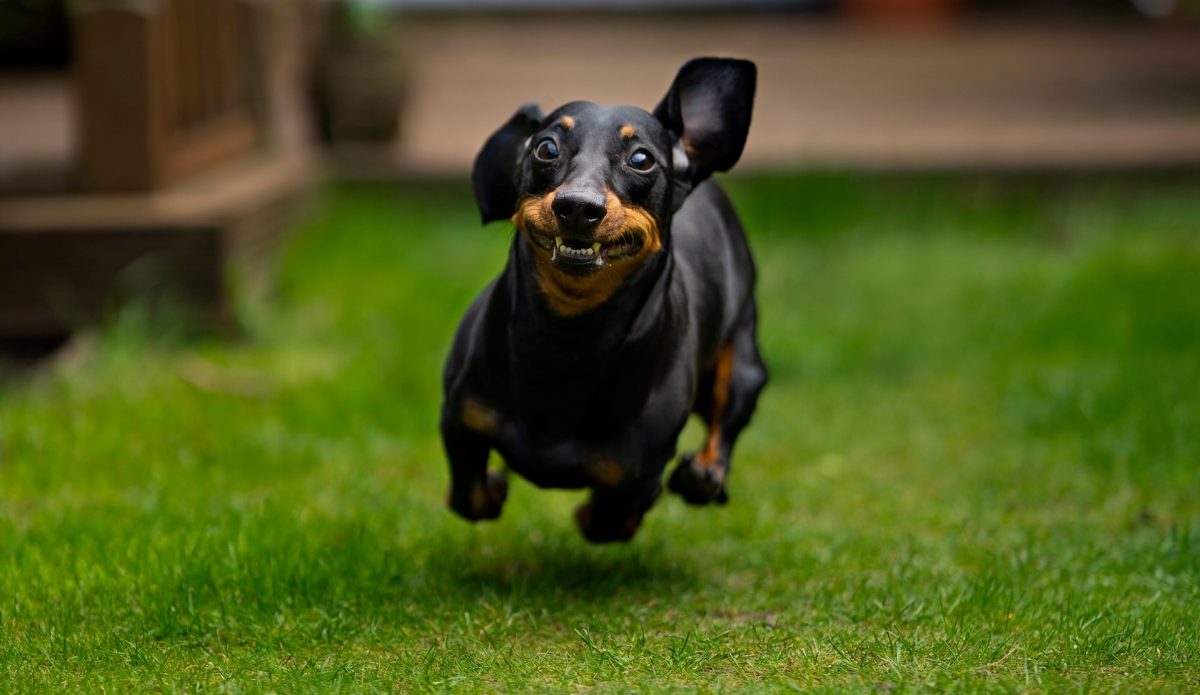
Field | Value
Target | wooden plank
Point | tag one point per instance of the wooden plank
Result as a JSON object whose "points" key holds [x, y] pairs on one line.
{"points": [[217, 141], [212, 129], [162, 94], [185, 69], [120, 134], [170, 90], [51, 282], [66, 260], [234, 190]]}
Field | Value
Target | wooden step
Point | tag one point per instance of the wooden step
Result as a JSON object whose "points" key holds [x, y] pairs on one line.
{"points": [[65, 260]]}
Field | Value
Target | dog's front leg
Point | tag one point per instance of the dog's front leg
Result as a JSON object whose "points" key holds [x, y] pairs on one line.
{"points": [[474, 492], [615, 513]]}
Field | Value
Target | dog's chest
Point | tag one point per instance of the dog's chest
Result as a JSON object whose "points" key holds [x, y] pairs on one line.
{"points": [[587, 409], [574, 444]]}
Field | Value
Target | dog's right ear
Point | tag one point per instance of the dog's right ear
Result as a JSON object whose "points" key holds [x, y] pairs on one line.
{"points": [[494, 178]]}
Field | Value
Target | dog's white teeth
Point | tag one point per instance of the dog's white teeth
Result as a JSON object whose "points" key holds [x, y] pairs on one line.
{"points": [[561, 249]]}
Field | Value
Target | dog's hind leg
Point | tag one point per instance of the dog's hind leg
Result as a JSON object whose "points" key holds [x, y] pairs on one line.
{"points": [[728, 394], [615, 513]]}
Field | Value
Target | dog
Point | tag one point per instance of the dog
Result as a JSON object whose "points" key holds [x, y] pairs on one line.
{"points": [[627, 304]]}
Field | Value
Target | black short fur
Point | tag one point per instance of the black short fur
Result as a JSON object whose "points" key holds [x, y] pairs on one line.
{"points": [[597, 397]]}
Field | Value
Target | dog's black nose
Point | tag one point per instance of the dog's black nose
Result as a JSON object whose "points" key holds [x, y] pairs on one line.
{"points": [[579, 209]]}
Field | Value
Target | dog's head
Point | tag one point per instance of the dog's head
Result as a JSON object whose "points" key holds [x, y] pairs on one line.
{"points": [[593, 188]]}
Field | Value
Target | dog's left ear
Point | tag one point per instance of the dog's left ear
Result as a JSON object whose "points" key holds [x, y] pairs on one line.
{"points": [[494, 177], [708, 108]]}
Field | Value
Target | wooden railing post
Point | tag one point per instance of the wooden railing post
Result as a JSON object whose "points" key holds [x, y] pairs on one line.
{"points": [[164, 88], [121, 130]]}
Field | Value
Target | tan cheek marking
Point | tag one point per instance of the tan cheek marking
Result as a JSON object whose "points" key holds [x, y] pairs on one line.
{"points": [[479, 417], [641, 222], [567, 122], [628, 131], [535, 214]]}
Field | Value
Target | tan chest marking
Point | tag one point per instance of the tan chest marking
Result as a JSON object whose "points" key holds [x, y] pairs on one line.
{"points": [[478, 417]]}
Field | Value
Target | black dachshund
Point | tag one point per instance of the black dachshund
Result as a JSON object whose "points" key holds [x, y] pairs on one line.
{"points": [[627, 304]]}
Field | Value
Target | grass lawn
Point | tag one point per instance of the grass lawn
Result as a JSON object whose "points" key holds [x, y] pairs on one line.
{"points": [[977, 467]]}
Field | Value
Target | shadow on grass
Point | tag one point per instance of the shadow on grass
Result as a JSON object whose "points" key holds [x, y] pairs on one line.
{"points": [[348, 570], [562, 570]]}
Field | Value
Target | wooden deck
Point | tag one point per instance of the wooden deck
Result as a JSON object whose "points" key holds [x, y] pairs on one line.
{"points": [[831, 95], [64, 259], [160, 168]]}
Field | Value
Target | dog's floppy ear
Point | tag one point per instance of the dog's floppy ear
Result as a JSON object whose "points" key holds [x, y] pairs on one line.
{"points": [[494, 176], [708, 108]]}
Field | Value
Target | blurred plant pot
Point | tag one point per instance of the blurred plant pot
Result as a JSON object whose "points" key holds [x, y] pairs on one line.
{"points": [[903, 10], [359, 79]]}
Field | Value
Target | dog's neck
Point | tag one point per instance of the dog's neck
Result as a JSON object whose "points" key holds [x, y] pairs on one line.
{"points": [[637, 294]]}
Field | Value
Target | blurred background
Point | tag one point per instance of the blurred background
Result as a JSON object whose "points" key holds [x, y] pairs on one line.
{"points": [[168, 141], [236, 237]]}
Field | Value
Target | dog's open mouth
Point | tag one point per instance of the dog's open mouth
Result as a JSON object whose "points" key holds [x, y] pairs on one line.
{"points": [[581, 255]]}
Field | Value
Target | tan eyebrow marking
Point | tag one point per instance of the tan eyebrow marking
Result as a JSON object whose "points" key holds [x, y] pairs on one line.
{"points": [[567, 122], [628, 131]]}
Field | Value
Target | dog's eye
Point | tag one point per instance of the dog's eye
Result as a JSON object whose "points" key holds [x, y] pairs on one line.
{"points": [[546, 150], [641, 160]]}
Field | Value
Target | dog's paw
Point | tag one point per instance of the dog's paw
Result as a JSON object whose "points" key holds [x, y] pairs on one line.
{"points": [[697, 482], [483, 501], [599, 527]]}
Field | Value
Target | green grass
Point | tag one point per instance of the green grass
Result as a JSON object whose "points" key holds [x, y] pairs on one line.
{"points": [[977, 467]]}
